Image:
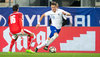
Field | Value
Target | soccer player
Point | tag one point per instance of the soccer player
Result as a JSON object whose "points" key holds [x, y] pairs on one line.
{"points": [[16, 28], [56, 18]]}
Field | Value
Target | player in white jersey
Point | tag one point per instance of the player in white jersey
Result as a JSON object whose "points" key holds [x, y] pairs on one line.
{"points": [[56, 18]]}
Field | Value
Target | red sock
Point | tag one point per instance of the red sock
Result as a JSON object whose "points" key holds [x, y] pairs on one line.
{"points": [[29, 41], [11, 45]]}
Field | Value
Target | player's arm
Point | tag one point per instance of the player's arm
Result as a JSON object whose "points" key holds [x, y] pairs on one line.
{"points": [[65, 12], [45, 14], [68, 14], [40, 21], [21, 23], [21, 27]]}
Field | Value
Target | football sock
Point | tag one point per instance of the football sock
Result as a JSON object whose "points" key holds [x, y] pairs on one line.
{"points": [[11, 45], [43, 44], [52, 39], [29, 41]]}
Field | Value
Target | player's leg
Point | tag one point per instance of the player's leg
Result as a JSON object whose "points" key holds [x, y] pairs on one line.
{"points": [[43, 44], [50, 36], [30, 37], [50, 41], [14, 38], [55, 33]]}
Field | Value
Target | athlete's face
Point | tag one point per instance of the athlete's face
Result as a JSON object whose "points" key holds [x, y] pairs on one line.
{"points": [[53, 7]]}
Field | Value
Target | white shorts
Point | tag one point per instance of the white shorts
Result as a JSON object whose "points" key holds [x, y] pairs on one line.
{"points": [[26, 32]]}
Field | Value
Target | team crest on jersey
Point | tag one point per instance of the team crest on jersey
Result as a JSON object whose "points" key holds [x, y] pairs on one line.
{"points": [[58, 14]]}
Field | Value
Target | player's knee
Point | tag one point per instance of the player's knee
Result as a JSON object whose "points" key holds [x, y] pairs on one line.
{"points": [[32, 34], [49, 38], [56, 35]]}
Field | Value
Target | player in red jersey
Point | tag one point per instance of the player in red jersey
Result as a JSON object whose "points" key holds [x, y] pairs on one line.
{"points": [[16, 28]]}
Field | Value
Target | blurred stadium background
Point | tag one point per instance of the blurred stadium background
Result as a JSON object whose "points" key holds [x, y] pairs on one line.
{"points": [[62, 3]]}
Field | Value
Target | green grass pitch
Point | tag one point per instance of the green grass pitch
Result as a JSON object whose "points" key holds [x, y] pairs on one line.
{"points": [[23, 54]]}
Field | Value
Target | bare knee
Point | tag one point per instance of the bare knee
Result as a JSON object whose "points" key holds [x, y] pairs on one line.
{"points": [[49, 38], [56, 35], [32, 34]]}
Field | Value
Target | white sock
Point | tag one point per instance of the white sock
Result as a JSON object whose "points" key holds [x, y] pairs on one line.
{"points": [[43, 44], [52, 39]]}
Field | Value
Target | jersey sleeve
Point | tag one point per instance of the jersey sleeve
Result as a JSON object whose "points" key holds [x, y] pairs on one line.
{"points": [[47, 13], [64, 11], [64, 16]]}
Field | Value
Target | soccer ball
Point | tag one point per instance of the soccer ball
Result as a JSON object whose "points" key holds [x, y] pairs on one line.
{"points": [[52, 49]]}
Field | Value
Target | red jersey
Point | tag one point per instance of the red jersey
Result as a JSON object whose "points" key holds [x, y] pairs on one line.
{"points": [[15, 22]]}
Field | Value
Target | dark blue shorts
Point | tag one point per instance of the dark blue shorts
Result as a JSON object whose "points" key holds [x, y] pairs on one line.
{"points": [[53, 30]]}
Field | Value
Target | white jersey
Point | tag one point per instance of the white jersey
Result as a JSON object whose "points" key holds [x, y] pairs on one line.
{"points": [[64, 16], [56, 18]]}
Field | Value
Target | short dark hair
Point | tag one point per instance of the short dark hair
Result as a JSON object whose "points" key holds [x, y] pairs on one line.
{"points": [[53, 3], [15, 7]]}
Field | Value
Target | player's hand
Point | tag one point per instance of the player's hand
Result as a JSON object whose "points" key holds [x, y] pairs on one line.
{"points": [[37, 26], [68, 14], [22, 31]]}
